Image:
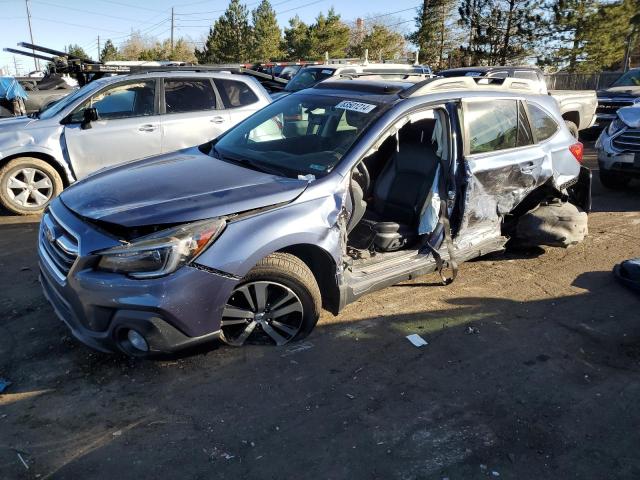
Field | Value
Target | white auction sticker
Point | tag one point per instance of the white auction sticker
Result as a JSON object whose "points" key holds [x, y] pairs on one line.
{"points": [[355, 106]]}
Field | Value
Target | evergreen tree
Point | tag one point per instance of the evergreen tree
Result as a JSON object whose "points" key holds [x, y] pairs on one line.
{"points": [[329, 34], [382, 43], [76, 50], [608, 31], [571, 30], [297, 41], [109, 52], [266, 33], [433, 31], [230, 38], [500, 32]]}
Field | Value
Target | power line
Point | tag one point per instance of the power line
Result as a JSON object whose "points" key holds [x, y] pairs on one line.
{"points": [[74, 24], [277, 13], [224, 9], [84, 11]]}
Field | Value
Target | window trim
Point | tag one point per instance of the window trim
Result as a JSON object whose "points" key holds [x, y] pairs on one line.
{"points": [[247, 84], [163, 103], [533, 129], [156, 101], [465, 128]]}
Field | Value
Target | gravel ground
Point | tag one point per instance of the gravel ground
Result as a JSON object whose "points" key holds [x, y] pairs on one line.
{"points": [[545, 387]]}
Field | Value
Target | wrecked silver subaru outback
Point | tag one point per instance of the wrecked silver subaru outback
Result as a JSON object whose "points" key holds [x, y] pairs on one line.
{"points": [[619, 149], [357, 185]]}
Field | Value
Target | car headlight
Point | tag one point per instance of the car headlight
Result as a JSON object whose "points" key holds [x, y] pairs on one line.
{"points": [[614, 126], [161, 252]]}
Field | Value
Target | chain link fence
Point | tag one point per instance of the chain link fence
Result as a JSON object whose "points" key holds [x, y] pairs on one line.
{"points": [[581, 81]]}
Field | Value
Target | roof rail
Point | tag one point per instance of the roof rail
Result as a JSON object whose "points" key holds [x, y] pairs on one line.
{"points": [[470, 83], [404, 73]]}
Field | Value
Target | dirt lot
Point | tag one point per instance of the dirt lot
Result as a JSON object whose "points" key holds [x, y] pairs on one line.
{"points": [[547, 388]]}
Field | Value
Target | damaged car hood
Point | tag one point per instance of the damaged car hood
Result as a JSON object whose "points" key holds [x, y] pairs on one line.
{"points": [[630, 116], [177, 187]]}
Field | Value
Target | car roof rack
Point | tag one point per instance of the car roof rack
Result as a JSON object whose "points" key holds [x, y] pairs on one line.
{"points": [[405, 73], [432, 85]]}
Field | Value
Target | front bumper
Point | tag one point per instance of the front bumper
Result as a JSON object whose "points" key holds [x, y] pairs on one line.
{"points": [[611, 160], [172, 312]]}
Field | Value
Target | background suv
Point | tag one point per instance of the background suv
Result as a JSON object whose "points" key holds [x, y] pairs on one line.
{"points": [[115, 120]]}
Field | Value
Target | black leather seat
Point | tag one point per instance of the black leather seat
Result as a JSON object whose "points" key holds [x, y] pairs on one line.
{"points": [[401, 190]]}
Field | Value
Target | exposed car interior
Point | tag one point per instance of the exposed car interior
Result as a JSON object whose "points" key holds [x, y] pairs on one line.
{"points": [[392, 190]]}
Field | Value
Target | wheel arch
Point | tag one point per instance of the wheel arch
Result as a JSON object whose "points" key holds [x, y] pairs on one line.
{"points": [[572, 116], [64, 174], [324, 270]]}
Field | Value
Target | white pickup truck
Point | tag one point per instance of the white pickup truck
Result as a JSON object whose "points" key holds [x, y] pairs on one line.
{"points": [[578, 107]]}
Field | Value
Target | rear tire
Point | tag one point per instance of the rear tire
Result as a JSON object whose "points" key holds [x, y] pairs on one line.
{"points": [[278, 276], [573, 128], [27, 185], [613, 180]]}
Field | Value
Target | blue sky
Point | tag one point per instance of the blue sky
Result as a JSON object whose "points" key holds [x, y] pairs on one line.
{"points": [[57, 23]]}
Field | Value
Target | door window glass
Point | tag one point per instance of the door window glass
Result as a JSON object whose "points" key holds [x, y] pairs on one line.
{"points": [[122, 101], [493, 125], [543, 124], [235, 94], [188, 95]]}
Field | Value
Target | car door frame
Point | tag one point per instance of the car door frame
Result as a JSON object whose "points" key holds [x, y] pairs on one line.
{"points": [[533, 165], [67, 119]]}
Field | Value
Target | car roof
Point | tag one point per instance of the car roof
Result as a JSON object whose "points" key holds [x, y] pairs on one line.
{"points": [[174, 74]]}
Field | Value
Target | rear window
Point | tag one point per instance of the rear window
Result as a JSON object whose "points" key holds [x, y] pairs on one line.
{"points": [[235, 94], [543, 124], [189, 95], [308, 77], [495, 125], [528, 74]]}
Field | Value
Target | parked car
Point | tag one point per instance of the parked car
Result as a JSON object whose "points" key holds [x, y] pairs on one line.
{"points": [[619, 149], [624, 92], [310, 75], [245, 240], [115, 120], [577, 107]]}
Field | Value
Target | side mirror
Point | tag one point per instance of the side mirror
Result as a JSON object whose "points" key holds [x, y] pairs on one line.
{"points": [[90, 115]]}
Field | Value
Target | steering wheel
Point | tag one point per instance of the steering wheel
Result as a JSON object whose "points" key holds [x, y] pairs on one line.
{"points": [[362, 176]]}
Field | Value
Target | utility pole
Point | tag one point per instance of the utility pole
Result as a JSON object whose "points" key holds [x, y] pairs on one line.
{"points": [[15, 65], [172, 23], [35, 60], [99, 48]]}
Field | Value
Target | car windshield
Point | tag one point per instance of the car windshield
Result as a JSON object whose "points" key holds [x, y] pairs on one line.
{"points": [[54, 108], [299, 134], [308, 77], [629, 79]]}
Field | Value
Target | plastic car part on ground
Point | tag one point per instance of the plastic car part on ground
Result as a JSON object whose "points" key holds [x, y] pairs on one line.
{"points": [[628, 273]]}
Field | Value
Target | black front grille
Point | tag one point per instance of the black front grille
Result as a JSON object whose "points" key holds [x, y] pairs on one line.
{"points": [[628, 141], [58, 246], [612, 106]]}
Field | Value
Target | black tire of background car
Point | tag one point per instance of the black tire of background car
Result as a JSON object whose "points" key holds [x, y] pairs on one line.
{"points": [[27, 162], [292, 272], [573, 128], [613, 180]]}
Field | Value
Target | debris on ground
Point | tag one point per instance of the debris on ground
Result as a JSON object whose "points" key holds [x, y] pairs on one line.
{"points": [[495, 474], [4, 384], [297, 349], [472, 331], [350, 396], [417, 340], [22, 460]]}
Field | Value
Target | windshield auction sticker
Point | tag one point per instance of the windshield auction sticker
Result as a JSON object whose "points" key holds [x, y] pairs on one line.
{"points": [[355, 106]]}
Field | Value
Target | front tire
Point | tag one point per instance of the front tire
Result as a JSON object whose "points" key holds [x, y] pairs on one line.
{"points": [[277, 302], [27, 185], [613, 180]]}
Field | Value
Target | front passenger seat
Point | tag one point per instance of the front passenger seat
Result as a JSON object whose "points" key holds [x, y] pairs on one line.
{"points": [[401, 190]]}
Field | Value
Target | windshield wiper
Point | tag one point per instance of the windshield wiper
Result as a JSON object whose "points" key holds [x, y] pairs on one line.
{"points": [[246, 162]]}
